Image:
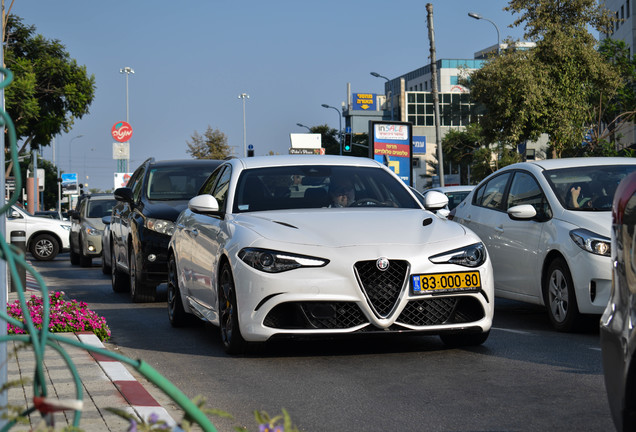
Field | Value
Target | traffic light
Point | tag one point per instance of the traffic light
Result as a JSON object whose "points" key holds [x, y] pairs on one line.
{"points": [[346, 147]]}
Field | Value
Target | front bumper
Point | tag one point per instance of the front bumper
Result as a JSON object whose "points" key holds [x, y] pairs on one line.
{"points": [[331, 300]]}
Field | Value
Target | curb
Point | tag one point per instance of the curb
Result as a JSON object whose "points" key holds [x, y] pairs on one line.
{"points": [[142, 402]]}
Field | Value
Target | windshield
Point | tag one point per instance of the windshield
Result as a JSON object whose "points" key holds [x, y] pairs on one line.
{"points": [[100, 208], [587, 188], [317, 186], [176, 183]]}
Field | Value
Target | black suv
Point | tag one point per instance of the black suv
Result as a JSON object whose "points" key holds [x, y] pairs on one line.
{"points": [[143, 221]]}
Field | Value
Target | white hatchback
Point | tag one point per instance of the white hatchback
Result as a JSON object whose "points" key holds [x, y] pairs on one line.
{"points": [[546, 225]]}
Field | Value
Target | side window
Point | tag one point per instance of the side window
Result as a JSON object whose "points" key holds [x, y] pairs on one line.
{"points": [[524, 189], [136, 186], [491, 195], [206, 188], [222, 187], [82, 206]]}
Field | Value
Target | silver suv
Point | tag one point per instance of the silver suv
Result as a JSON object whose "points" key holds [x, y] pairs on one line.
{"points": [[87, 226], [45, 237]]}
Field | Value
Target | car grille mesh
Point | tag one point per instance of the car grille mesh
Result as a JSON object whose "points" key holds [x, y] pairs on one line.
{"points": [[315, 315], [382, 288], [441, 310]]}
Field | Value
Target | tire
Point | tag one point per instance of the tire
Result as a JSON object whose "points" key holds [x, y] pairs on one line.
{"points": [[44, 247], [118, 279], [74, 257], [105, 268], [454, 340], [139, 292], [559, 296], [84, 261], [231, 337], [176, 313]]}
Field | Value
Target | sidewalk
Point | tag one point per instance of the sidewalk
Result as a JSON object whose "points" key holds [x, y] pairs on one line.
{"points": [[106, 383]]}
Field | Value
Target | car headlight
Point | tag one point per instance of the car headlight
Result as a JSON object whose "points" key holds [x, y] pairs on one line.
{"points": [[591, 242], [473, 255], [271, 261], [160, 225], [92, 230]]}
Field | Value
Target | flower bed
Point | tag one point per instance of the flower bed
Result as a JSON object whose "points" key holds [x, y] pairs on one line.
{"points": [[65, 316]]}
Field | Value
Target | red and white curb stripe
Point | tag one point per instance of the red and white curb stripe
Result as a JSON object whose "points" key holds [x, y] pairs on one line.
{"points": [[137, 396]]}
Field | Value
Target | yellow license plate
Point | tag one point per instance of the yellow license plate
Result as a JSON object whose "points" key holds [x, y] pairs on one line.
{"points": [[446, 282]]}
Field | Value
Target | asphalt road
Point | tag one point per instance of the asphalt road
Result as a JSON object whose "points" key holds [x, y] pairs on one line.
{"points": [[526, 377]]}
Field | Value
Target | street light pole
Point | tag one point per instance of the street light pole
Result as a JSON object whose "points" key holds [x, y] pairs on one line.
{"points": [[479, 17], [70, 148], [127, 70], [340, 120], [302, 125], [377, 75], [244, 96]]}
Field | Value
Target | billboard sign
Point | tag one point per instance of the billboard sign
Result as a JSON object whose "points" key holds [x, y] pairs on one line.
{"points": [[391, 143], [121, 131], [419, 144], [121, 179], [364, 101], [69, 184]]}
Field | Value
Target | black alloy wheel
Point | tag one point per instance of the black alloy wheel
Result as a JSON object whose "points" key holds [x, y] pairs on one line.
{"points": [[231, 337], [140, 292], [118, 279]]}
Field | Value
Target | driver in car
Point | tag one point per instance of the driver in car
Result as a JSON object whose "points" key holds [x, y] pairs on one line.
{"points": [[342, 193]]}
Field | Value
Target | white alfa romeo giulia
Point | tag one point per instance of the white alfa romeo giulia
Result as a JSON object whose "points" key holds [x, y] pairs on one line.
{"points": [[301, 246]]}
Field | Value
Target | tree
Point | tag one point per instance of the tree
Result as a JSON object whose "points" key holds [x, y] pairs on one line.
{"points": [[49, 196], [49, 91], [549, 89], [329, 138], [212, 145]]}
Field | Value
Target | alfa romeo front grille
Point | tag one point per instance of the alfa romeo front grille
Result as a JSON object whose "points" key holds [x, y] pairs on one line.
{"points": [[382, 288]]}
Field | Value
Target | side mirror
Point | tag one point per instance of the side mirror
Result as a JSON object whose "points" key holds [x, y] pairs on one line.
{"points": [[124, 194], [522, 212], [435, 200], [205, 204], [106, 220]]}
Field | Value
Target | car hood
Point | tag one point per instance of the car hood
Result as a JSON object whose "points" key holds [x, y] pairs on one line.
{"points": [[598, 222], [167, 210], [352, 227]]}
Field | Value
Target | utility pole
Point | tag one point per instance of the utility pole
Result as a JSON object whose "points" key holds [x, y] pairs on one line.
{"points": [[438, 132]]}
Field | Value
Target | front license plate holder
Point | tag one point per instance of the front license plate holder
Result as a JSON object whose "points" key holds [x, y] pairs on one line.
{"points": [[443, 283]]}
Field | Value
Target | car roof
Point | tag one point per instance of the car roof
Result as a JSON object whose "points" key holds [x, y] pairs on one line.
{"points": [[186, 162], [548, 164], [291, 160], [458, 188]]}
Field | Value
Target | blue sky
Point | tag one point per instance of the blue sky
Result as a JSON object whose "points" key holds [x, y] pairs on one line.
{"points": [[193, 58]]}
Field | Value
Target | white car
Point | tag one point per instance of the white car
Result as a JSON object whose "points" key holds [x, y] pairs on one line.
{"points": [[546, 225], [455, 194], [45, 237], [258, 259]]}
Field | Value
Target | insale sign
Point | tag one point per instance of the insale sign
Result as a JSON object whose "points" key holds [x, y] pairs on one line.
{"points": [[121, 131]]}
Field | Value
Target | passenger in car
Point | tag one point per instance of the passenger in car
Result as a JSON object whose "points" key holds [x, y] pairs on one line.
{"points": [[579, 196]]}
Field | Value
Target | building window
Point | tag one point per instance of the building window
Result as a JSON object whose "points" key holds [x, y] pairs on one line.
{"points": [[627, 7], [622, 12], [617, 23], [456, 109]]}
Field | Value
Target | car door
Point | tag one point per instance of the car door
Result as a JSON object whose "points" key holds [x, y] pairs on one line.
{"points": [[120, 220], [76, 226], [207, 238], [518, 260], [486, 213], [16, 221]]}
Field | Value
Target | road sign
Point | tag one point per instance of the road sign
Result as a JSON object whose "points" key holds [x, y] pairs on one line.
{"points": [[121, 131]]}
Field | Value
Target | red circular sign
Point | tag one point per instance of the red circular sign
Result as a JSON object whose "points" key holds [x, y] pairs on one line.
{"points": [[121, 131]]}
